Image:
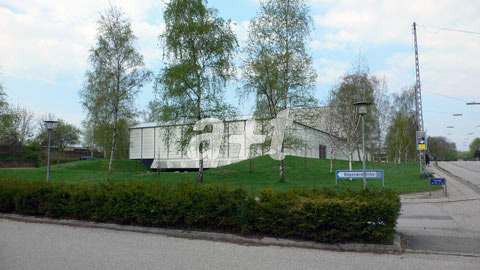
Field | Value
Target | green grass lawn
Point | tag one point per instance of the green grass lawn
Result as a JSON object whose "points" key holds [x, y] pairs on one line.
{"points": [[403, 178]]}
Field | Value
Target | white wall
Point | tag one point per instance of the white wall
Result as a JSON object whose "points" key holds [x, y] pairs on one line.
{"points": [[135, 144], [152, 143]]}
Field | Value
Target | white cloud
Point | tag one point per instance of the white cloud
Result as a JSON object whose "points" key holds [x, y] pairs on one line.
{"points": [[241, 30], [448, 60], [329, 70], [378, 21], [41, 39]]}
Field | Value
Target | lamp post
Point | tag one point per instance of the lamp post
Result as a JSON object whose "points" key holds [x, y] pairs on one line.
{"points": [[50, 125], [362, 110]]}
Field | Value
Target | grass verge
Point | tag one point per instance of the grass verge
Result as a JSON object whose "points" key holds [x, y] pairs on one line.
{"points": [[300, 173]]}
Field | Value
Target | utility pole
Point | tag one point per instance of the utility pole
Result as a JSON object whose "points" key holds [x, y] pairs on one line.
{"points": [[418, 102]]}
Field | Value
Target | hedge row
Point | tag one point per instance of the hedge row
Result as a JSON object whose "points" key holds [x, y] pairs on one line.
{"points": [[319, 215]]}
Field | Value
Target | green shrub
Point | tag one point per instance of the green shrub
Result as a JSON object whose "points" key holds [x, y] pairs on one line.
{"points": [[34, 157], [326, 216], [318, 215], [7, 193]]}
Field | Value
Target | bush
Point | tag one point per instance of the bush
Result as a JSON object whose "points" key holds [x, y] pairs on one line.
{"points": [[319, 215], [33, 156]]}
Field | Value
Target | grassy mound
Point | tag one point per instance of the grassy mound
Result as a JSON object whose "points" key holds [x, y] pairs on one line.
{"points": [[300, 173]]}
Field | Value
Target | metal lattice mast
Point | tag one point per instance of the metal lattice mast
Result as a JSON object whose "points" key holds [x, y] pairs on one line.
{"points": [[418, 101], [418, 89]]}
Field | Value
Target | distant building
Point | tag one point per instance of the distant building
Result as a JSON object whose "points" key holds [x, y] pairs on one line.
{"points": [[158, 145]]}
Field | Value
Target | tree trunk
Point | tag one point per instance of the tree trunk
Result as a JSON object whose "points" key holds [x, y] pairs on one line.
{"points": [[200, 165], [350, 159], [331, 165], [282, 175], [114, 142], [359, 156]]}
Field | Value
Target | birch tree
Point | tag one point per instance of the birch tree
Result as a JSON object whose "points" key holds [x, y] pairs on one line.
{"points": [[115, 76], [199, 47], [359, 85], [400, 140], [278, 71]]}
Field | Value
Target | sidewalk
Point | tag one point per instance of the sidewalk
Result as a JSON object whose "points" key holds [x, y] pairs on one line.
{"points": [[456, 190], [442, 224]]}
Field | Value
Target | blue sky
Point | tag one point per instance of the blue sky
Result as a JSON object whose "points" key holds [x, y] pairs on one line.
{"points": [[44, 49]]}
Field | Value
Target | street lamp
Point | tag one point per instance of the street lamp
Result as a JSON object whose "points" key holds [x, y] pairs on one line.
{"points": [[362, 110], [50, 125]]}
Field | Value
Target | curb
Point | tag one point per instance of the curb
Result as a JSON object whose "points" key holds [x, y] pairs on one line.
{"points": [[442, 253], [214, 236]]}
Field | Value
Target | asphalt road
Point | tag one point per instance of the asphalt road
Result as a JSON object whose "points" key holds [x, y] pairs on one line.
{"points": [[445, 224], [44, 246], [468, 171]]}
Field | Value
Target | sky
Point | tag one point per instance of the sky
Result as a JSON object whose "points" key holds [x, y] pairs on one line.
{"points": [[44, 48]]}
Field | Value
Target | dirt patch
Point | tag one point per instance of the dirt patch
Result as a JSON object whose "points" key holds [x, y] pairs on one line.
{"points": [[224, 171]]}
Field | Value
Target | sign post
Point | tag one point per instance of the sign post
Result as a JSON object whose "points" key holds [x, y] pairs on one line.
{"points": [[438, 182], [422, 148], [358, 174]]}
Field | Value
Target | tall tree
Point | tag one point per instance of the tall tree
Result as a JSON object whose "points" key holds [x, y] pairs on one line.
{"points": [[152, 112], [3, 99], [475, 148], [278, 70], [63, 135], [25, 126], [9, 121], [357, 85], [400, 139], [200, 48], [115, 77], [98, 136], [441, 148], [381, 112]]}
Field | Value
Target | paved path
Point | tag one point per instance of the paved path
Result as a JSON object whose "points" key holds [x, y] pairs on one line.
{"points": [[25, 246], [445, 224]]}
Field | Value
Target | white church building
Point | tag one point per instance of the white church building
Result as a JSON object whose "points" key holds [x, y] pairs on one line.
{"points": [[164, 145]]}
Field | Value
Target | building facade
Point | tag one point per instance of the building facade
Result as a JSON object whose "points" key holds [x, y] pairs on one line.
{"points": [[169, 146]]}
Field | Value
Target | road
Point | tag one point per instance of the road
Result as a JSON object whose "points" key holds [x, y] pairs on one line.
{"points": [[469, 171], [45, 246], [448, 224]]}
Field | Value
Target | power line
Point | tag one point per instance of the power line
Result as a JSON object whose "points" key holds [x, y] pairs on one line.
{"points": [[459, 99], [448, 29], [462, 31]]}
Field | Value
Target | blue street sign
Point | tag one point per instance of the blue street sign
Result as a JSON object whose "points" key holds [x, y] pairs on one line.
{"points": [[437, 181], [358, 174]]}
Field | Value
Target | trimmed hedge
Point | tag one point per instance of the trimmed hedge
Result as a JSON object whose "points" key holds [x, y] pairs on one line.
{"points": [[319, 215]]}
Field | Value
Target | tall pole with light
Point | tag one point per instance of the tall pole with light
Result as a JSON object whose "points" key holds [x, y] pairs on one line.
{"points": [[50, 125], [362, 110]]}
